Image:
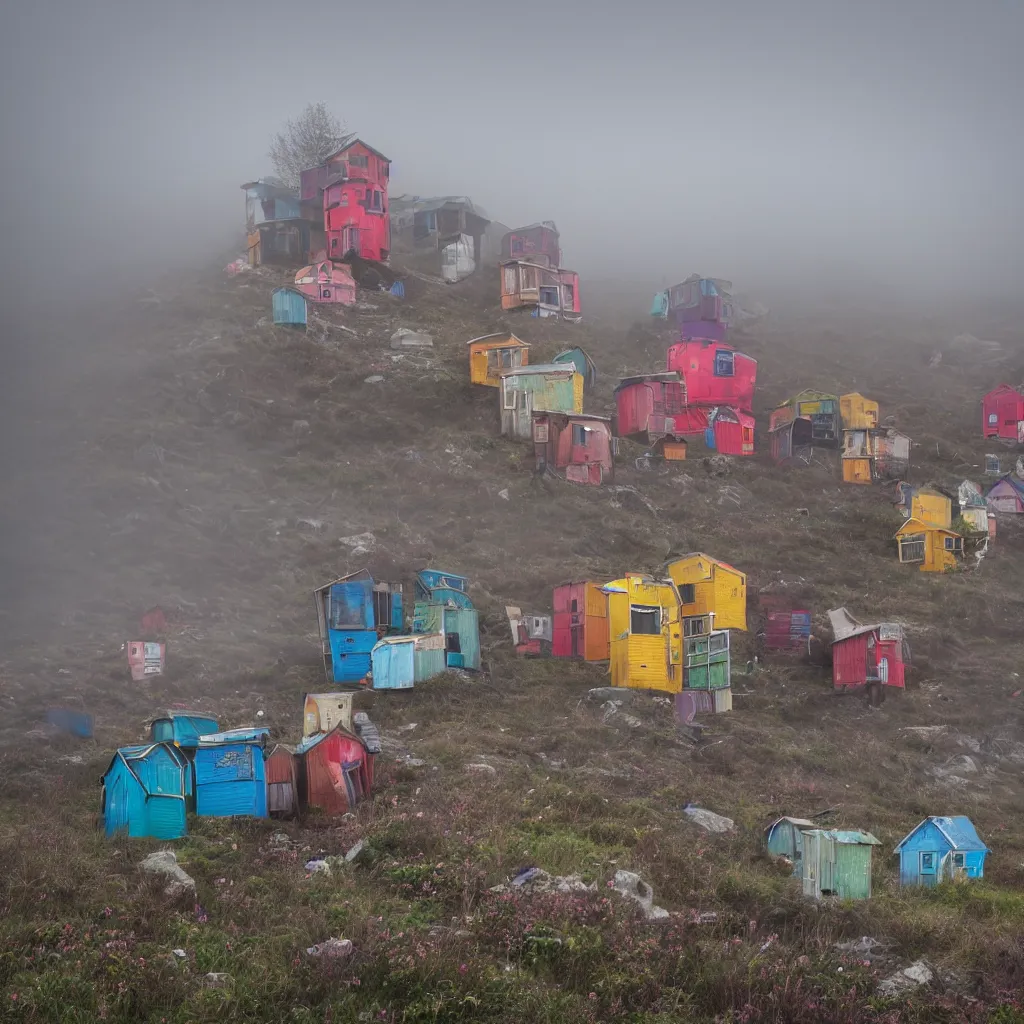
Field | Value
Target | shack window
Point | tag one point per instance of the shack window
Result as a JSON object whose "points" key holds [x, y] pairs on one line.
{"points": [[567, 291], [374, 200], [954, 543], [958, 860], [574, 605], [579, 435], [927, 861], [356, 160], [993, 419], [645, 620], [508, 397], [549, 295], [724, 364], [694, 626], [912, 547], [688, 593], [452, 644]]}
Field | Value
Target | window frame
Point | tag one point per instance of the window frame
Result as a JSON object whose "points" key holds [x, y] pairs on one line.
{"points": [[688, 593], [723, 357], [654, 611]]}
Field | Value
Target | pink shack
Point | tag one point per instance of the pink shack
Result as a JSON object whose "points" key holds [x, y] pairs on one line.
{"points": [[327, 282], [577, 446]]}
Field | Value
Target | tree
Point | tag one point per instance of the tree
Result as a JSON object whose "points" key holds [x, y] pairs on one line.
{"points": [[307, 142]]}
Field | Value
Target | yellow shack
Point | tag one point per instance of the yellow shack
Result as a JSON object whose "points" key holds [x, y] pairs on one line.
{"points": [[321, 712], [708, 585], [492, 353], [858, 412], [931, 506], [933, 548], [645, 634]]}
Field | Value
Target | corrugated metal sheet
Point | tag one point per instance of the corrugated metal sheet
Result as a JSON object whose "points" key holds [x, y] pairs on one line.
{"points": [[230, 781], [184, 730], [393, 663], [335, 772], [463, 623], [145, 790], [289, 307]]}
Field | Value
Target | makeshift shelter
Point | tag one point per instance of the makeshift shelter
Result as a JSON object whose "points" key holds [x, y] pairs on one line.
{"points": [[326, 281], [351, 612], [546, 291], [579, 447], [708, 585], [580, 622], [1006, 495], [538, 243], [706, 660], [528, 631], [282, 782], [785, 628], [146, 659], [1003, 414], [289, 307], [653, 407], [585, 366], [335, 771], [229, 774], [890, 453], [321, 712], [145, 790], [932, 506], [714, 372], [821, 408], [732, 431], [941, 849], [933, 548], [790, 439], [783, 838], [490, 354], [659, 306], [857, 412], [393, 663], [548, 387], [696, 307], [460, 628], [645, 634], [837, 862], [863, 655], [182, 728]]}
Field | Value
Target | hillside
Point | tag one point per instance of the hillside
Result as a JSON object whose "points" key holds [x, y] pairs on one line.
{"points": [[221, 468]]}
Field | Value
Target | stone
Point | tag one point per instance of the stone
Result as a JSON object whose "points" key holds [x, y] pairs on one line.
{"points": [[917, 974], [633, 887], [354, 852], [486, 769], [606, 693], [217, 980], [331, 949], [165, 862], [375, 379], [708, 820]]}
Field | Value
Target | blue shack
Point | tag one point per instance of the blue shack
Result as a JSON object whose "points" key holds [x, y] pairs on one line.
{"points": [[444, 608], [144, 792], [941, 849], [230, 774], [183, 729], [289, 307], [585, 366], [438, 587], [393, 663], [352, 613]]}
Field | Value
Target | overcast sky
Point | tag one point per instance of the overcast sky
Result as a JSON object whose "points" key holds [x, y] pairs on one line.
{"points": [[742, 138]]}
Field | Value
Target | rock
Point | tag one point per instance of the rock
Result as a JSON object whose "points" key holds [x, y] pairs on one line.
{"points": [[366, 541], [404, 338], [355, 851], [503, 493], [407, 728], [862, 947], [375, 379], [280, 839], [179, 953], [333, 949], [708, 820], [605, 693], [216, 980], [631, 720], [487, 769], [633, 887], [300, 427], [973, 745], [414, 762], [538, 880], [165, 862], [317, 866], [610, 707], [917, 974]]}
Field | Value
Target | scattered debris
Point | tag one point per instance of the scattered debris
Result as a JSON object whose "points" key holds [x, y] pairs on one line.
{"points": [[503, 493], [863, 947], [610, 693], [317, 866], [165, 862], [633, 887], [146, 659], [361, 543], [333, 949], [407, 728], [917, 974], [217, 980], [708, 820], [537, 880], [403, 338], [179, 953]]}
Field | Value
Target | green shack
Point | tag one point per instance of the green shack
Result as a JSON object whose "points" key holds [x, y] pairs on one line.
{"points": [[837, 862], [706, 662]]}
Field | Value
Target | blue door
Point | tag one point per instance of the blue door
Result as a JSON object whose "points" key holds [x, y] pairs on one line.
{"points": [[927, 865]]}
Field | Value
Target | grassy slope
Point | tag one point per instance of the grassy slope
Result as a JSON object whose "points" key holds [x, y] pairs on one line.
{"points": [[216, 474]]}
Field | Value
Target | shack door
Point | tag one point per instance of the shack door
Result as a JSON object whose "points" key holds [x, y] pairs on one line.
{"points": [[280, 798], [576, 641], [827, 865], [927, 866], [812, 853]]}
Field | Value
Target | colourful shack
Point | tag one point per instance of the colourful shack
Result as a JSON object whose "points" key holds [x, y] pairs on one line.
{"points": [[933, 548], [930, 505], [335, 771], [282, 782], [1002, 414], [645, 634], [818, 407], [393, 664], [652, 408], [230, 776], [863, 655], [1006, 495], [707, 585], [538, 243], [784, 838], [546, 387], [182, 728], [730, 431], [321, 712], [696, 307], [288, 307], [857, 412], [715, 373], [145, 791], [941, 849], [707, 659], [491, 354], [585, 366], [444, 608], [580, 447], [356, 220], [351, 612], [837, 862], [580, 626], [786, 628], [546, 291], [890, 453], [326, 281]]}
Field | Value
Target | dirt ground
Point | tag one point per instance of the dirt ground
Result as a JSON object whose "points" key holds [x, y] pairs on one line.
{"points": [[192, 455]]}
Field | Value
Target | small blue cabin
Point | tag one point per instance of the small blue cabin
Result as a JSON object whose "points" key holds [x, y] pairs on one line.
{"points": [[145, 790], [784, 838], [444, 607], [289, 307], [352, 612], [231, 777], [183, 730], [941, 849], [393, 663], [443, 588]]}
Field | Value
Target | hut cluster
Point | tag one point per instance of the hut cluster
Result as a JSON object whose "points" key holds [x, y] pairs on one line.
{"points": [[837, 862], [189, 765]]}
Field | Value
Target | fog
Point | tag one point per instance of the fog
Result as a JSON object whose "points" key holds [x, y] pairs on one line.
{"points": [[750, 140]]}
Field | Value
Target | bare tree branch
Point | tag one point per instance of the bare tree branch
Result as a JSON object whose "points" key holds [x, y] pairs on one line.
{"points": [[307, 142]]}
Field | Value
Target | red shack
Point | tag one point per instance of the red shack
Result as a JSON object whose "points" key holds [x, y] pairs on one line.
{"points": [[579, 446], [336, 771], [653, 406], [1003, 414], [863, 655], [355, 160], [733, 431], [715, 373], [580, 626], [536, 243]]}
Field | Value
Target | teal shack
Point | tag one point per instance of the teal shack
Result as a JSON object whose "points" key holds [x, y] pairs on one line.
{"points": [[145, 791], [230, 774], [783, 838], [941, 849], [183, 729], [706, 663], [585, 366], [837, 862], [444, 608], [393, 665], [289, 307]]}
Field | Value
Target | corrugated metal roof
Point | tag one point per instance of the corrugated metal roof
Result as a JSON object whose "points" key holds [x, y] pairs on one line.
{"points": [[560, 368], [247, 734], [847, 837], [308, 742], [959, 831], [792, 821], [671, 376], [513, 340]]}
